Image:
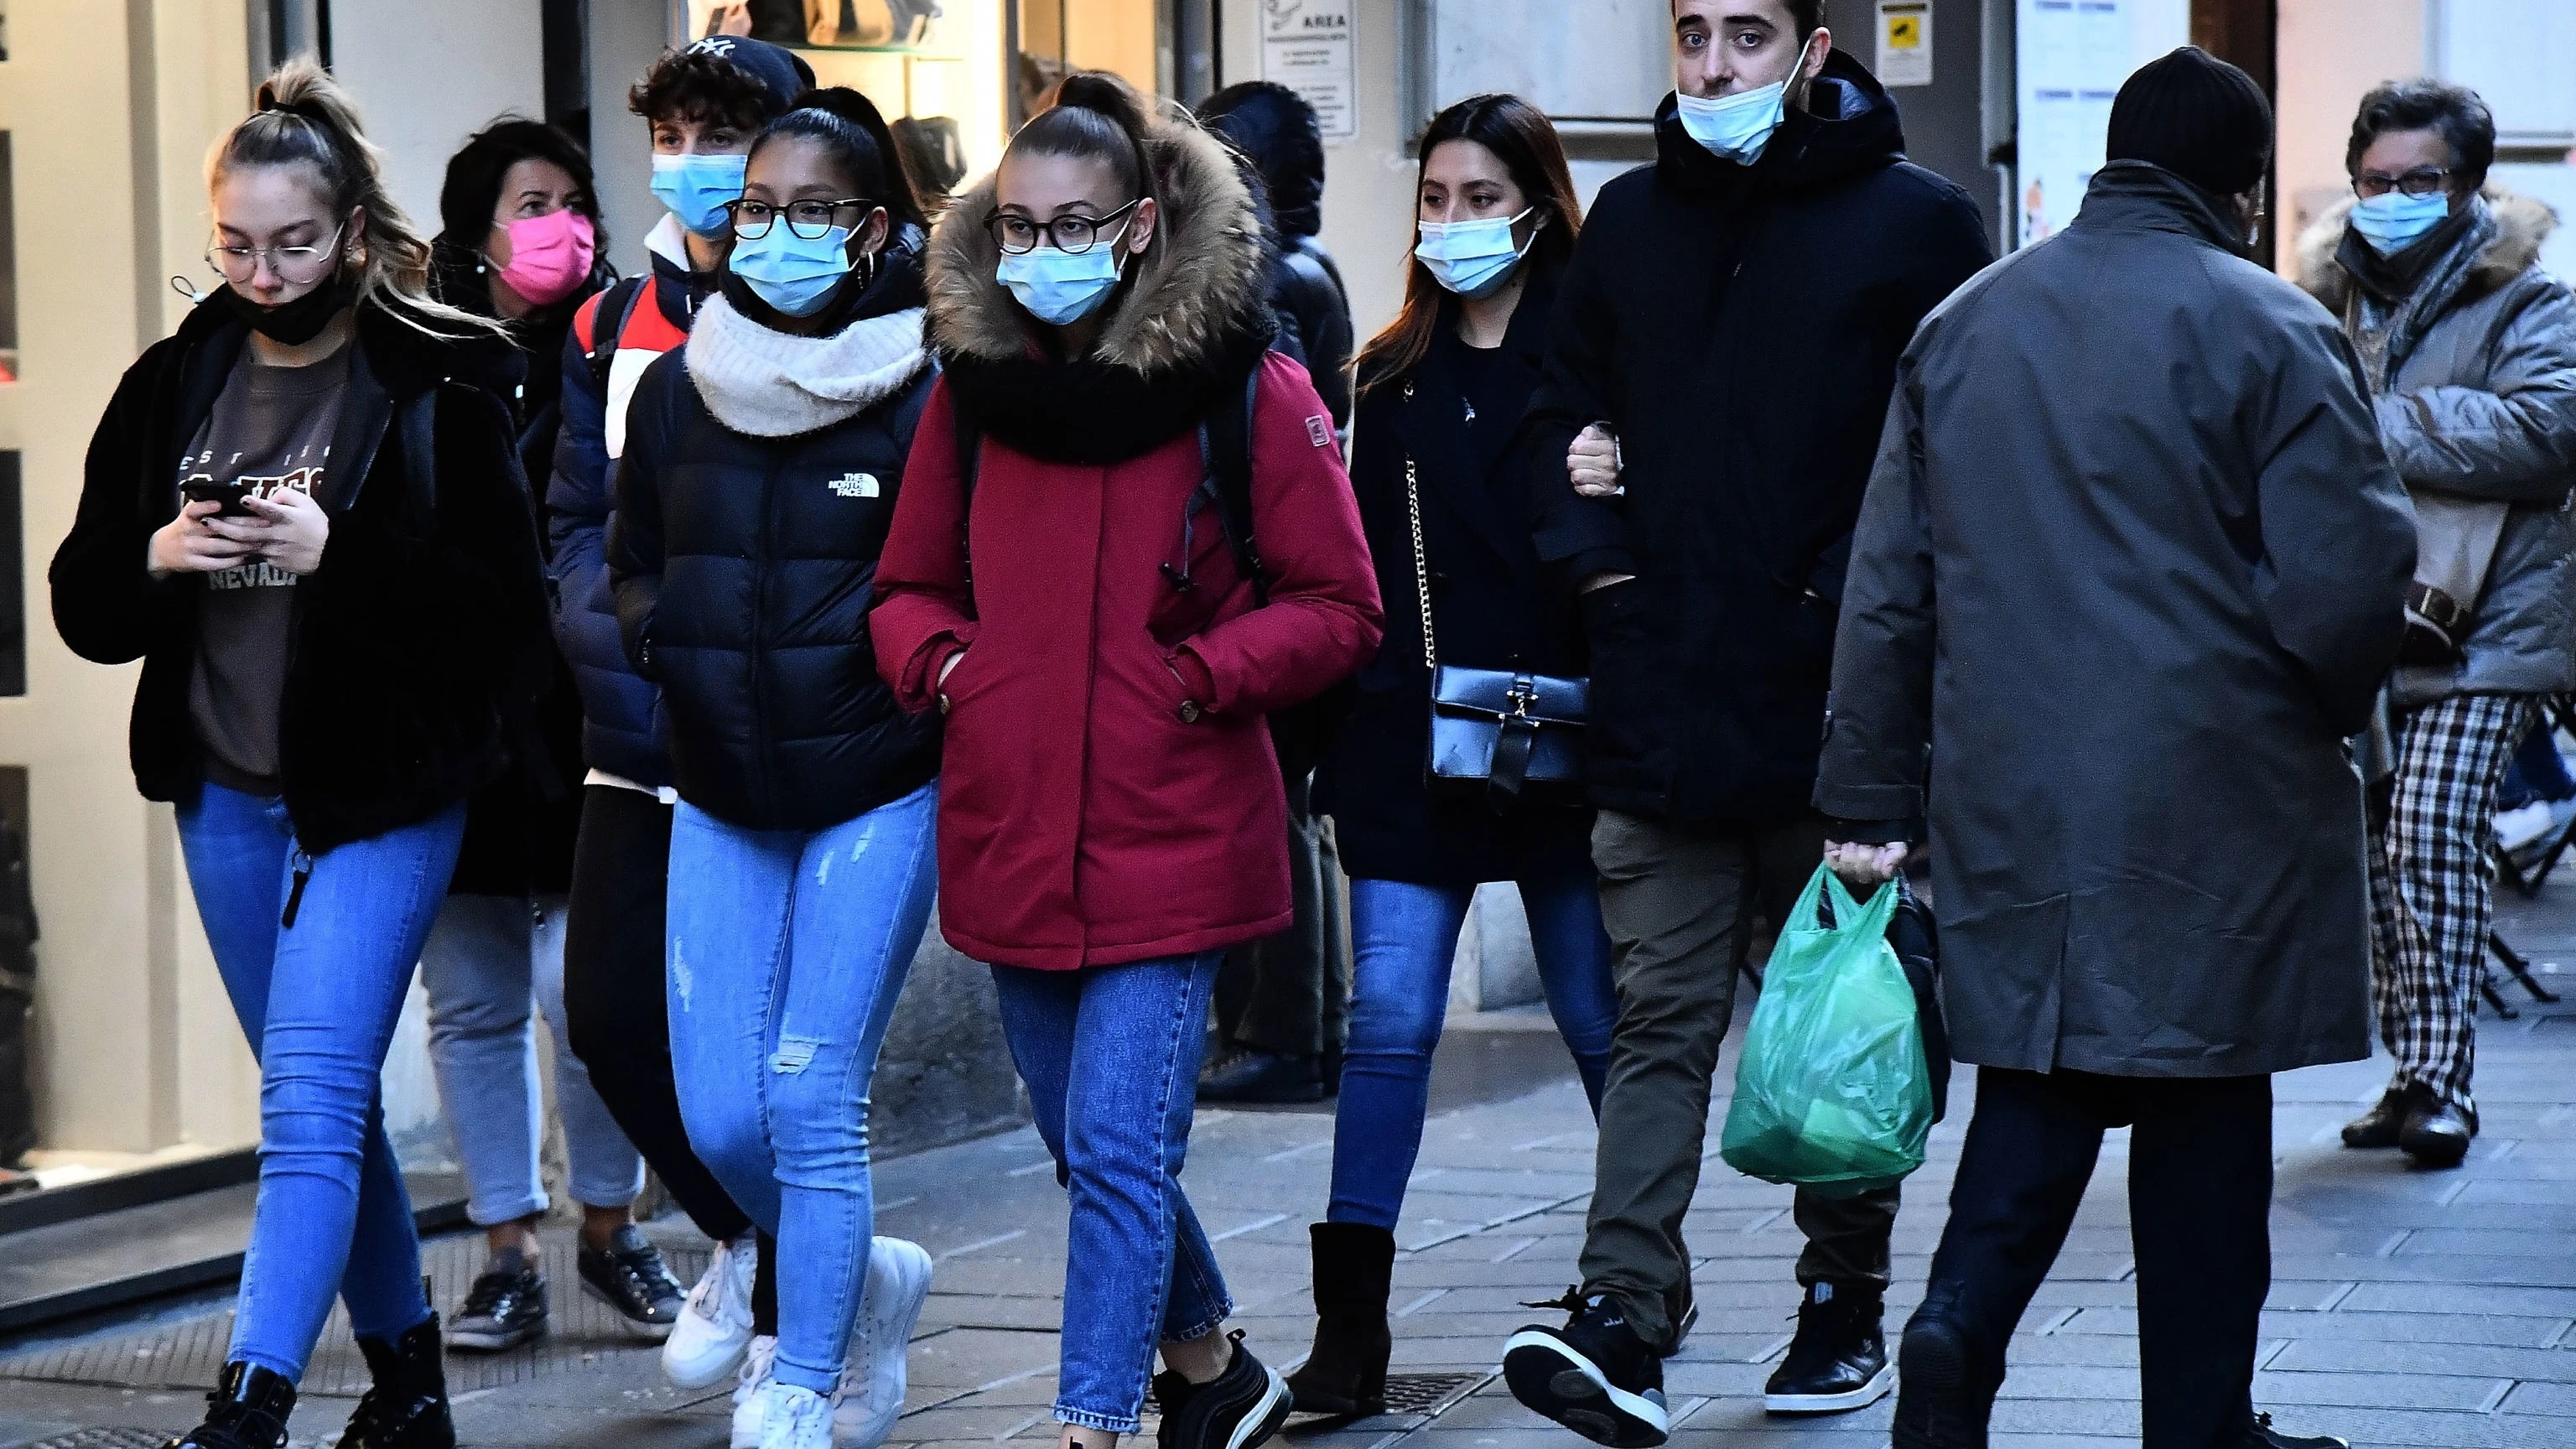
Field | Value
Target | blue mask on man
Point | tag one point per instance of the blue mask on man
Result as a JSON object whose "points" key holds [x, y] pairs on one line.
{"points": [[792, 273], [2396, 221], [695, 188], [1738, 127]]}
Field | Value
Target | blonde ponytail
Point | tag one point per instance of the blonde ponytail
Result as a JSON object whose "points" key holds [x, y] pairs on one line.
{"points": [[306, 118]]}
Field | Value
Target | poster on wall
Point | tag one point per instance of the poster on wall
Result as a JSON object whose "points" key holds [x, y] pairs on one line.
{"points": [[2072, 56], [1306, 45], [1905, 42]]}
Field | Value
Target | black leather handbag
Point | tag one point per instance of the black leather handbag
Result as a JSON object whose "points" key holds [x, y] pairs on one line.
{"points": [[1498, 731]]}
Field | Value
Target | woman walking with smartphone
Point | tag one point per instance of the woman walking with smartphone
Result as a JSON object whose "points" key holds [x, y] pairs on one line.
{"points": [[304, 514]]}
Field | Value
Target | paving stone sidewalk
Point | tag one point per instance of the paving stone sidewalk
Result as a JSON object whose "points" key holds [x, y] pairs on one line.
{"points": [[2418, 1309]]}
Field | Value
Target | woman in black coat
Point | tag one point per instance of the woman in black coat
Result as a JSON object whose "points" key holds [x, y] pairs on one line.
{"points": [[302, 514], [1437, 438]]}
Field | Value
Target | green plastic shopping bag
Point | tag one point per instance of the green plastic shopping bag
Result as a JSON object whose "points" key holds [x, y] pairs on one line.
{"points": [[1832, 1092]]}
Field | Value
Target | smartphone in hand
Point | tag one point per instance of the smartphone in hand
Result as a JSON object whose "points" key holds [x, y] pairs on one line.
{"points": [[230, 495]]}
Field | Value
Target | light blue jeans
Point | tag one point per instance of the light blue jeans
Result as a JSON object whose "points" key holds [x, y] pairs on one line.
{"points": [[318, 1001], [787, 951], [1111, 1058], [492, 965], [1404, 940]]}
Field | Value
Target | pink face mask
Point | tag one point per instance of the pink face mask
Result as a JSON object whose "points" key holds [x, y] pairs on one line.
{"points": [[549, 255]]}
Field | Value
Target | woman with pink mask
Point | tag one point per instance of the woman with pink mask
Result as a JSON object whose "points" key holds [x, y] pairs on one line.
{"points": [[520, 241]]}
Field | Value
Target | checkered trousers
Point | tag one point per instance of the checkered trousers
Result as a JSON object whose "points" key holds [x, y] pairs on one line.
{"points": [[2432, 883]]}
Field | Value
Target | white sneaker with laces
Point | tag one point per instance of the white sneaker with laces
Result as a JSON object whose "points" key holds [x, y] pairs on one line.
{"points": [[2517, 828], [750, 1391], [794, 1418], [872, 1385], [714, 1331]]}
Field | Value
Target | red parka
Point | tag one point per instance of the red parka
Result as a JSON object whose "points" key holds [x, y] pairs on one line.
{"points": [[1108, 792]]}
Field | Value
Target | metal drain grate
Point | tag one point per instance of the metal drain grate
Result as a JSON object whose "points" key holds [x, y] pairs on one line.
{"points": [[189, 1354], [106, 1439], [1426, 1393]]}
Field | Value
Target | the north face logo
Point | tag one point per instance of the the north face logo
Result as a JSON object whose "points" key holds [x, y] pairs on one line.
{"points": [[856, 485]]}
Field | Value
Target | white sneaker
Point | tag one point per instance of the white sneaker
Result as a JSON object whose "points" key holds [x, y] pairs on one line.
{"points": [[751, 1391], [873, 1383], [714, 1331], [794, 1418], [2517, 828]]}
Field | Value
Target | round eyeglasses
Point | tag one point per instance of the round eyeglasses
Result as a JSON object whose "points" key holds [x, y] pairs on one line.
{"points": [[2423, 181], [296, 266], [1018, 235], [811, 220]]}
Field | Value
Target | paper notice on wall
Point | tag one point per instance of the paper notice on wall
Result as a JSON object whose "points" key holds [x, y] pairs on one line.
{"points": [[1905, 42], [2072, 56], [1306, 45]]}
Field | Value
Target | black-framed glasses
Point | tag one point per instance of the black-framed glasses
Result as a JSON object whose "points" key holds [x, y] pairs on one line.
{"points": [[1019, 235], [2422, 181], [812, 220], [296, 266]]}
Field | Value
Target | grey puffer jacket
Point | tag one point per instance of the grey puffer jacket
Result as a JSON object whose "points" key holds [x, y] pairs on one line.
{"points": [[2479, 401]]}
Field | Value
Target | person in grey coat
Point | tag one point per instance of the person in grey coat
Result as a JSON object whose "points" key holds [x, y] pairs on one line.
{"points": [[2470, 349], [2131, 568]]}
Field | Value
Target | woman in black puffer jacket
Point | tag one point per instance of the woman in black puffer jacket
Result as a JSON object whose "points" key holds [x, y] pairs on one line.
{"points": [[761, 468]]}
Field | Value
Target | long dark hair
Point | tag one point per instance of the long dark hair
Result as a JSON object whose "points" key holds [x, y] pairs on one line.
{"points": [[472, 191], [1522, 137], [856, 131]]}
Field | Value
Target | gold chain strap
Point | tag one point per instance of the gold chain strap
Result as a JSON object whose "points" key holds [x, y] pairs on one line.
{"points": [[1421, 565]]}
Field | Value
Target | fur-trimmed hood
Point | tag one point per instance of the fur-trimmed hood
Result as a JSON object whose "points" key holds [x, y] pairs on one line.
{"points": [[1209, 265], [2522, 224]]}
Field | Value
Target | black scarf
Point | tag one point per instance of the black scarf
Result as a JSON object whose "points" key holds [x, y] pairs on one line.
{"points": [[1097, 413], [2392, 278]]}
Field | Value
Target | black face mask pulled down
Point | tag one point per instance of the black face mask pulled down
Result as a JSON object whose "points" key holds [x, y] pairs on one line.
{"points": [[298, 322]]}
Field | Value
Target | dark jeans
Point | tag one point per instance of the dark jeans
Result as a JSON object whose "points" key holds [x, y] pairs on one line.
{"points": [[614, 1002], [1291, 994], [1679, 906], [2200, 1200]]}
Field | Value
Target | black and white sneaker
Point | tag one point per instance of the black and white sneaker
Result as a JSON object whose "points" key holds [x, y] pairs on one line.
{"points": [[1239, 1409], [505, 1308], [2261, 1435], [1838, 1362], [1944, 1395], [630, 1276], [1594, 1375]]}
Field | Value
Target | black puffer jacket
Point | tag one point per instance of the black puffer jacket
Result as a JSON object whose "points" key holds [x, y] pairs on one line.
{"points": [[1738, 328], [744, 566], [420, 645]]}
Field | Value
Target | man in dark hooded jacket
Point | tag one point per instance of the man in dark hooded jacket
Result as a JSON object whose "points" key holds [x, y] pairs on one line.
{"points": [[1719, 364], [2133, 565], [1277, 130]]}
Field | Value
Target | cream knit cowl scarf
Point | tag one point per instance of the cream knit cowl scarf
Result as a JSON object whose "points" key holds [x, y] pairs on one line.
{"points": [[773, 385]]}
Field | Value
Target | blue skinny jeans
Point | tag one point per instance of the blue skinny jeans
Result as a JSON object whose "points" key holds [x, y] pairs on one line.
{"points": [[318, 1002], [1405, 939], [787, 949]]}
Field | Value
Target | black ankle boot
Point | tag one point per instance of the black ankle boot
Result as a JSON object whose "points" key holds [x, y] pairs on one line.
{"points": [[406, 1407], [248, 1411], [1346, 1374]]}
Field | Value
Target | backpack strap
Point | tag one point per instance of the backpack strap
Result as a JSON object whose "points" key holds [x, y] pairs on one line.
{"points": [[418, 422], [1226, 442], [608, 325]]}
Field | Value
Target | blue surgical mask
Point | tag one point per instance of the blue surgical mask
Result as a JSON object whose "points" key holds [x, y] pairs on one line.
{"points": [[1472, 258], [1061, 287], [696, 188], [789, 272], [2396, 221], [1738, 128]]}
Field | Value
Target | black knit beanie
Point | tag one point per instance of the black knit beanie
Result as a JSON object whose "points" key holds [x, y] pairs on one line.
{"points": [[2197, 117]]}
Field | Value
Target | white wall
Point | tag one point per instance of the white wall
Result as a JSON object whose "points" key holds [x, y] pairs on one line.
{"points": [[626, 37], [428, 75]]}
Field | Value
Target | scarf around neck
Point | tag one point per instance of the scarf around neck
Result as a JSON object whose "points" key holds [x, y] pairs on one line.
{"points": [[773, 384]]}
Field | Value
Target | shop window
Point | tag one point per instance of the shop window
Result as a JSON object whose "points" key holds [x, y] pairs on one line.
{"points": [[1055, 38], [13, 582], [825, 24]]}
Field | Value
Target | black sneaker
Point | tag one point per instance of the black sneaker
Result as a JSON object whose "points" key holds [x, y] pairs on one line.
{"points": [[2261, 1435], [1838, 1362], [1265, 1078], [1239, 1409], [505, 1308], [1594, 1375], [1943, 1396], [630, 1276]]}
